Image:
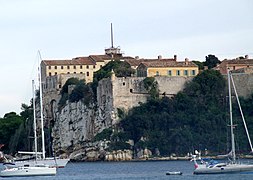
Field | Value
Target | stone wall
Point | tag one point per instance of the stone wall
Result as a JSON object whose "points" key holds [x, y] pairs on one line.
{"points": [[243, 83], [129, 92]]}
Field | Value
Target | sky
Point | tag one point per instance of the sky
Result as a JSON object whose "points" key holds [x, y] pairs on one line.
{"points": [[64, 29]]}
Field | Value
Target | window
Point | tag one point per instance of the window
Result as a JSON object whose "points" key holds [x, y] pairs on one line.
{"points": [[178, 72], [50, 74], [193, 72], [74, 72], [87, 73], [68, 72], [81, 72], [49, 67], [61, 67], [94, 66], [55, 73], [169, 73], [186, 72], [81, 67], [74, 67], [87, 66], [157, 73], [124, 83], [67, 67], [55, 67], [101, 66]]}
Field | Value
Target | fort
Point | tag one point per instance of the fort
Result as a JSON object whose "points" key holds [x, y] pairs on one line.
{"points": [[75, 123]]}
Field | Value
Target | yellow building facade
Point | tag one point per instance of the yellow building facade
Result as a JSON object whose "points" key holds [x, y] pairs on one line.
{"points": [[167, 68], [80, 65]]}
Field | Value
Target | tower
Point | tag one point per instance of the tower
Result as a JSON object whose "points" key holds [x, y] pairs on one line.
{"points": [[113, 51]]}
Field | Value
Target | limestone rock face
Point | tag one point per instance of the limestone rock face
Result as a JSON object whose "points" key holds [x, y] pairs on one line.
{"points": [[76, 124], [97, 152], [119, 155], [144, 153]]}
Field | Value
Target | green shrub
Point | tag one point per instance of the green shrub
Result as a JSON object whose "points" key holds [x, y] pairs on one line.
{"points": [[105, 134]]}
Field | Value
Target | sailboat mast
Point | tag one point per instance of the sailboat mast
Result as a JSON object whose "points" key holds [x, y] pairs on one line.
{"points": [[34, 121], [231, 118], [41, 111]]}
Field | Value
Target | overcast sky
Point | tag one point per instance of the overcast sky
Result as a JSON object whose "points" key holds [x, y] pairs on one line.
{"points": [[64, 29]]}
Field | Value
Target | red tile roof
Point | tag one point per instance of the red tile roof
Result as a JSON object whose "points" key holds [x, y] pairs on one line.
{"points": [[238, 61], [74, 61], [83, 61], [100, 58], [90, 60], [170, 63], [137, 62]]}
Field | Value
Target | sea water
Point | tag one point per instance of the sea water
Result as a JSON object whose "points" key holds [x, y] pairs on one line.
{"points": [[132, 170]]}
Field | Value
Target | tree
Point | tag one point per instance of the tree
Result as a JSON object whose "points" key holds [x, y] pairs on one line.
{"points": [[211, 61], [194, 116], [64, 90], [8, 126], [151, 85], [81, 92], [199, 64]]}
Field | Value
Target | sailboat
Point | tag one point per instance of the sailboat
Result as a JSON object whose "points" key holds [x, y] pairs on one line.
{"points": [[50, 161], [37, 170], [232, 166], [28, 169]]}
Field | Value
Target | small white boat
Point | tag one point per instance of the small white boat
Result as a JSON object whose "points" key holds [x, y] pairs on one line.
{"points": [[38, 170], [174, 173]]}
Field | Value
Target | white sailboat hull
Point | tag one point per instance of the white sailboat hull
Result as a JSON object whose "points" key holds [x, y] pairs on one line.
{"points": [[224, 169], [51, 162], [28, 171]]}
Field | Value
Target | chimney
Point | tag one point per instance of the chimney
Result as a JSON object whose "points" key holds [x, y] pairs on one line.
{"points": [[186, 61], [247, 56], [175, 57], [159, 57], [136, 57]]}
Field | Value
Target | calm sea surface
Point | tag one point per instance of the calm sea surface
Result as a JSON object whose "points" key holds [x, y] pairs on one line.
{"points": [[132, 170]]}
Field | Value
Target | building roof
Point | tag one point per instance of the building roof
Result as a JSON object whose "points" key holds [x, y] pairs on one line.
{"points": [[90, 60], [168, 63], [84, 61], [243, 70], [57, 62], [75, 61], [137, 62], [100, 58], [238, 61]]}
